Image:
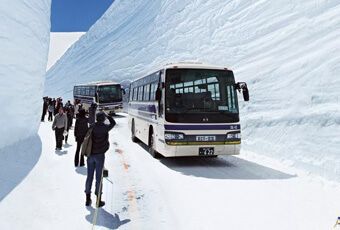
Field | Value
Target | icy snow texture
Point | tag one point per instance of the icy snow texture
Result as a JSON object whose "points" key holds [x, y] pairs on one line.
{"points": [[59, 43], [24, 41], [287, 51]]}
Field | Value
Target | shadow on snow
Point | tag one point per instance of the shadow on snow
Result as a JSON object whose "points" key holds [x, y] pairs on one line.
{"points": [[223, 167], [105, 218], [17, 161], [81, 170]]}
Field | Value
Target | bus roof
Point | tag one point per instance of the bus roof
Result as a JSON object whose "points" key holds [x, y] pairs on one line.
{"points": [[99, 83], [192, 65], [183, 65]]}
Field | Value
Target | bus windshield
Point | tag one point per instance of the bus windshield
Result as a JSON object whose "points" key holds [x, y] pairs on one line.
{"points": [[109, 93], [200, 91]]}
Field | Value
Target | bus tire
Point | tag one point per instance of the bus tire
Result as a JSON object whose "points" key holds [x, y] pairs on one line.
{"points": [[152, 150], [133, 132]]}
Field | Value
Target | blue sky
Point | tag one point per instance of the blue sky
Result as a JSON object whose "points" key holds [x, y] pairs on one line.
{"points": [[76, 15]]}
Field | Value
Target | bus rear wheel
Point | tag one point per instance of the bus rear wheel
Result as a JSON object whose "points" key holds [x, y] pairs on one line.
{"points": [[152, 150], [133, 132]]}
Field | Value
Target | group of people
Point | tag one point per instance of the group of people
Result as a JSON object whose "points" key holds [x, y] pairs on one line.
{"points": [[62, 122]]}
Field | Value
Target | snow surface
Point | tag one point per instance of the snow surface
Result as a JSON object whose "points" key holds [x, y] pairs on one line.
{"points": [[287, 51], [24, 40], [59, 43], [230, 192]]}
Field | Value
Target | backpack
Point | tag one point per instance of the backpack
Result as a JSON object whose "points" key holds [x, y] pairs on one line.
{"points": [[86, 146]]}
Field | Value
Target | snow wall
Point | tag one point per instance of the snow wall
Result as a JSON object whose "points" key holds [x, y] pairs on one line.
{"points": [[24, 42], [287, 51]]}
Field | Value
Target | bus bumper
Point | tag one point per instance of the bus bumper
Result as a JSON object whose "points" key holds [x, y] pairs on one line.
{"points": [[112, 110], [194, 150]]}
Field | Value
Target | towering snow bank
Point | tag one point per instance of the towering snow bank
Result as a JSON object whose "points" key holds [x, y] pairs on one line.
{"points": [[24, 40], [59, 43], [288, 52]]}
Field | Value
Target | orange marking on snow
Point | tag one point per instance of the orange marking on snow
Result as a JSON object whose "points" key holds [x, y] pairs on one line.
{"points": [[131, 194], [126, 166]]}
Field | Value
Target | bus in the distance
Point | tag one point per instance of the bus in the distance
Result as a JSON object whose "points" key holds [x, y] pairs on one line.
{"points": [[187, 109], [107, 96]]}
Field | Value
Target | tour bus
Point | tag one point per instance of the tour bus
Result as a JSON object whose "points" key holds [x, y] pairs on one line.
{"points": [[187, 109], [107, 95]]}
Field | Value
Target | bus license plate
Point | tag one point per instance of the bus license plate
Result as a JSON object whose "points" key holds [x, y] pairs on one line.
{"points": [[206, 151]]}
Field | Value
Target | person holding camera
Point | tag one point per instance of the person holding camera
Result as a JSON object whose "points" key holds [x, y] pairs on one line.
{"points": [[95, 162]]}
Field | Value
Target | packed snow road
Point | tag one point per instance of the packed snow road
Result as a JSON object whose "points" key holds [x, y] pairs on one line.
{"points": [[228, 192]]}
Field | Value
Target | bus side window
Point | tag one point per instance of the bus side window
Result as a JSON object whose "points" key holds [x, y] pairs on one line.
{"points": [[153, 91], [147, 92], [130, 94], [135, 93]]}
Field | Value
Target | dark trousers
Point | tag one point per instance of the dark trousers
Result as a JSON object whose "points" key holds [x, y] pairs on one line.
{"points": [[43, 116], [50, 118], [76, 157], [94, 162], [59, 137], [66, 137]]}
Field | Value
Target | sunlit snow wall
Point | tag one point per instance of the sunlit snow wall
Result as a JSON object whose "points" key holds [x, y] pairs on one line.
{"points": [[24, 42], [287, 51]]}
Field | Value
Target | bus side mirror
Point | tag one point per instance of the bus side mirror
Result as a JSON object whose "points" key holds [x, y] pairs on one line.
{"points": [[243, 86], [158, 94], [245, 94], [123, 91]]}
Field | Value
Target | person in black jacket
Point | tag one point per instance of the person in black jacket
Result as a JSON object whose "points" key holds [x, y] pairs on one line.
{"points": [[69, 121], [45, 105], [100, 144], [80, 130]]}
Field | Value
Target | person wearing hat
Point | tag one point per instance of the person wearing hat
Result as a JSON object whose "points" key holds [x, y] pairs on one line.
{"points": [[95, 162], [80, 130]]}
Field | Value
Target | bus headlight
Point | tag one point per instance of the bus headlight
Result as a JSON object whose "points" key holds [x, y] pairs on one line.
{"points": [[173, 136], [234, 135]]}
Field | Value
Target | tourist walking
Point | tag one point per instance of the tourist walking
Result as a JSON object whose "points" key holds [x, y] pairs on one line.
{"points": [[59, 125], [80, 129], [45, 105], [69, 115], [50, 110]]}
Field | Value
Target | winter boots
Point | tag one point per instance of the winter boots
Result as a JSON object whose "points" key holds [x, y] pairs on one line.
{"points": [[88, 200], [99, 202]]}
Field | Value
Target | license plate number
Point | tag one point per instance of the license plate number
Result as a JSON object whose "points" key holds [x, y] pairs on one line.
{"points": [[206, 151], [205, 138]]}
